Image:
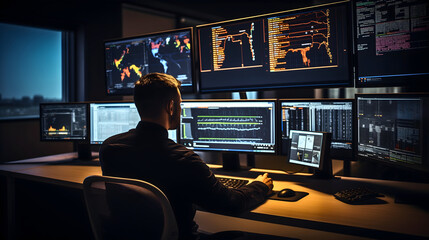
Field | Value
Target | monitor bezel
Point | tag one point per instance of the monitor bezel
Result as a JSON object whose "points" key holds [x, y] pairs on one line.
{"points": [[85, 140], [349, 82], [239, 151], [354, 120], [130, 92], [425, 128]]}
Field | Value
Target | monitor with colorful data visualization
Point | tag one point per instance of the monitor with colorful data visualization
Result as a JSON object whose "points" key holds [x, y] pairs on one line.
{"points": [[63, 121], [229, 125], [307, 47], [127, 59]]}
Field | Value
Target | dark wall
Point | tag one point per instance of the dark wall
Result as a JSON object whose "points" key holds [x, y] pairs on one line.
{"points": [[21, 140]]}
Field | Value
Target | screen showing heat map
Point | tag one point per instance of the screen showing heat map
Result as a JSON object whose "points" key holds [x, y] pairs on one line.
{"points": [[129, 59]]}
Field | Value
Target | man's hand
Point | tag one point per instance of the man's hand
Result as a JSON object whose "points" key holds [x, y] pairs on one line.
{"points": [[266, 180]]}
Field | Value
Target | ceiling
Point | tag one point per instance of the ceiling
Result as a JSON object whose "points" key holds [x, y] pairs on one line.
{"points": [[223, 10]]}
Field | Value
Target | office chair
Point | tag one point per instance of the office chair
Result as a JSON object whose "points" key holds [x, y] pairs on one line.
{"points": [[122, 208]]}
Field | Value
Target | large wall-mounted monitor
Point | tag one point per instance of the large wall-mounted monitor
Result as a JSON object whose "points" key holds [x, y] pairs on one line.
{"points": [[127, 59], [335, 116], [229, 125], [111, 118], [63, 121], [392, 43], [307, 47], [393, 129]]}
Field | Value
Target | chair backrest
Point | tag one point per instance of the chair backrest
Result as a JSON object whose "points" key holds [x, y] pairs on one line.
{"points": [[123, 208]]}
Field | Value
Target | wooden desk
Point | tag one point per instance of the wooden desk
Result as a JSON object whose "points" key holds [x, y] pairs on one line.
{"points": [[318, 215]]}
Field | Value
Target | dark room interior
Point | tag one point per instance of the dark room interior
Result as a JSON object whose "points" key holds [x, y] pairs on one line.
{"points": [[379, 103]]}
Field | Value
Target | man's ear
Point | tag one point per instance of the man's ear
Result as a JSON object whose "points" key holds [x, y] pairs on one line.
{"points": [[171, 107]]}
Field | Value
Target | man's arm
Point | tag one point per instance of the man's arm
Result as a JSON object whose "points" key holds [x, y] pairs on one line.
{"points": [[207, 192]]}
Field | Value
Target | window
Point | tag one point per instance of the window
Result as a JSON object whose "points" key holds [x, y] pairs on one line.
{"points": [[31, 70]]}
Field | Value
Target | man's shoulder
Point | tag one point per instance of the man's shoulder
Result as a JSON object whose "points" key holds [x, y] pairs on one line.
{"points": [[121, 140], [178, 149], [121, 137], [183, 154]]}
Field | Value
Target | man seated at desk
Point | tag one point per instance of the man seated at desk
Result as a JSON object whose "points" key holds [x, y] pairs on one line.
{"points": [[146, 153]]}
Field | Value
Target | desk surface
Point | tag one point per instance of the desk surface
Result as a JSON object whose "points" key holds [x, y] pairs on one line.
{"points": [[318, 210]]}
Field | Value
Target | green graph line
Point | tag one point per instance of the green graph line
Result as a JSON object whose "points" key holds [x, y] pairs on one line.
{"points": [[184, 131], [230, 123], [229, 139], [218, 138], [205, 116]]}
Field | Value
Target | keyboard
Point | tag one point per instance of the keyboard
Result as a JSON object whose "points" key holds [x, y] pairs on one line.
{"points": [[356, 195], [232, 182]]}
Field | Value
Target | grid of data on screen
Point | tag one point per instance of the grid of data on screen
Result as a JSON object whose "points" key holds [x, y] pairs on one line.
{"points": [[108, 119], [335, 117]]}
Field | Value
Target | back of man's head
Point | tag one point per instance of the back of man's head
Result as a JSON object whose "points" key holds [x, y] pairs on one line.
{"points": [[152, 93]]}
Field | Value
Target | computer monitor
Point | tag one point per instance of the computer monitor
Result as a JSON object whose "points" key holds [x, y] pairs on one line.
{"points": [[307, 47], [229, 126], [392, 43], [392, 129], [111, 118], [127, 59], [336, 116], [63, 121], [311, 149]]}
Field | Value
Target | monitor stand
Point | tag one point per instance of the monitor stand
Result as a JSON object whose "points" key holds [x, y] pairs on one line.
{"points": [[325, 171], [84, 152], [231, 162]]}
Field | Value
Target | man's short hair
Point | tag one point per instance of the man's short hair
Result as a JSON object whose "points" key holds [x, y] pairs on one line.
{"points": [[152, 92]]}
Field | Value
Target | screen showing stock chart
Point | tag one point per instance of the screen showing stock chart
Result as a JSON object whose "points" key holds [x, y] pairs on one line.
{"points": [[240, 126], [63, 121], [296, 48]]}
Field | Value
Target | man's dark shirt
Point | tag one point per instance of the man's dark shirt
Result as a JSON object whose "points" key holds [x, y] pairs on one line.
{"points": [[146, 153]]}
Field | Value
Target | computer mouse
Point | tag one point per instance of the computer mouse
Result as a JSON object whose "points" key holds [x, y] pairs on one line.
{"points": [[287, 192]]}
